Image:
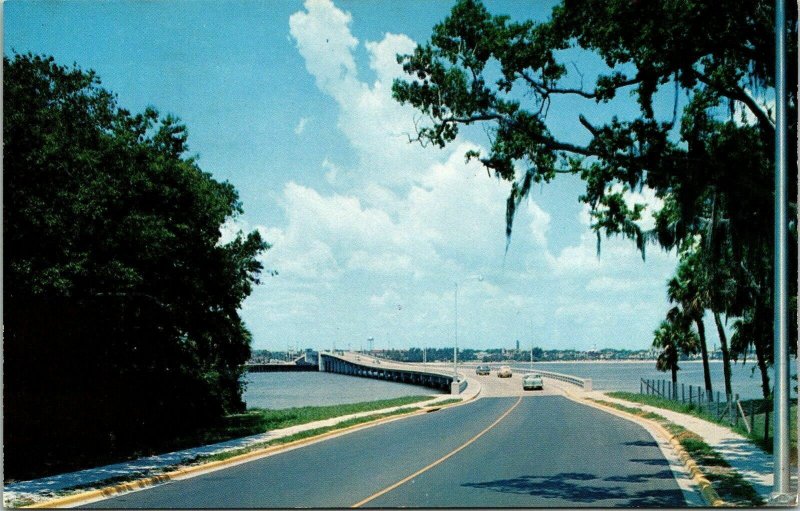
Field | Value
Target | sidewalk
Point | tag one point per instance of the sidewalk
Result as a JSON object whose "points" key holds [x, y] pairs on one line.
{"points": [[749, 460], [46, 487]]}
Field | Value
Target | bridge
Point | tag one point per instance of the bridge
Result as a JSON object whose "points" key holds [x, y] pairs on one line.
{"points": [[366, 366]]}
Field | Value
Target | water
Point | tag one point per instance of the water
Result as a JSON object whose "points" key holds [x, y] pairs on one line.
{"points": [[287, 390], [627, 375]]}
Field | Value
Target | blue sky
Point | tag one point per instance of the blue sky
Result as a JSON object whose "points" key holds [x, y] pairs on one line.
{"points": [[291, 102]]}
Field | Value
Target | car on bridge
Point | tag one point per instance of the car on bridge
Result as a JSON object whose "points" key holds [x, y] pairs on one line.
{"points": [[504, 372], [532, 382], [483, 369]]}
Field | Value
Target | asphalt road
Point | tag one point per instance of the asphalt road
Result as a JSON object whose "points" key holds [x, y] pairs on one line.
{"points": [[546, 452]]}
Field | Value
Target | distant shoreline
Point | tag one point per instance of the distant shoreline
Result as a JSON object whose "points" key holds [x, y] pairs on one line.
{"points": [[651, 361]]}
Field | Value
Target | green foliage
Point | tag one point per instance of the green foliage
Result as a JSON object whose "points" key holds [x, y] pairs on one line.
{"points": [[675, 337], [121, 304]]}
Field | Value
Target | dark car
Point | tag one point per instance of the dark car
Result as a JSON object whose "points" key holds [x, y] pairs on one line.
{"points": [[482, 369]]}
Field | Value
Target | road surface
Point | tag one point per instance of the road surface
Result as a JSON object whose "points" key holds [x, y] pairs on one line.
{"points": [[533, 449]]}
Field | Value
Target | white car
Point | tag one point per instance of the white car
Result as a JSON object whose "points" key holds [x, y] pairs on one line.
{"points": [[532, 382], [504, 372]]}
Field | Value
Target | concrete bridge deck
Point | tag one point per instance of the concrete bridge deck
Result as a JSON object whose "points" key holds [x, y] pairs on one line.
{"points": [[368, 366]]}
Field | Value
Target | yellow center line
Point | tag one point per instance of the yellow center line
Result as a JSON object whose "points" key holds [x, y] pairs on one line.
{"points": [[443, 458]]}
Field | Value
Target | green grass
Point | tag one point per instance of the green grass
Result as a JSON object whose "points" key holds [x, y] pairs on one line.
{"points": [[259, 420], [301, 435], [445, 402], [728, 483], [756, 436]]}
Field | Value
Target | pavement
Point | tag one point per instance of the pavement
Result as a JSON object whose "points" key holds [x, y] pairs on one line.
{"points": [[749, 460], [509, 451], [46, 487]]}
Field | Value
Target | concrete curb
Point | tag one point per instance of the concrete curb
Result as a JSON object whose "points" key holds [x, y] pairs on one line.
{"points": [[186, 472], [708, 492]]}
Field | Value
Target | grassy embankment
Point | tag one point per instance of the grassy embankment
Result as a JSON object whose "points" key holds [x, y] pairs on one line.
{"points": [[729, 484], [259, 420], [757, 435]]}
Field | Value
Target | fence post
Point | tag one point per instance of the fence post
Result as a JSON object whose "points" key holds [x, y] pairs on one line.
{"points": [[683, 393], [690, 395], [640, 386], [752, 419]]}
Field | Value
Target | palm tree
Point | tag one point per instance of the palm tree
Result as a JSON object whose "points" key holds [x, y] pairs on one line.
{"points": [[675, 337], [686, 289]]}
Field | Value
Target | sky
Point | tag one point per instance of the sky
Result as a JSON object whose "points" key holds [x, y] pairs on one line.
{"points": [[290, 101]]}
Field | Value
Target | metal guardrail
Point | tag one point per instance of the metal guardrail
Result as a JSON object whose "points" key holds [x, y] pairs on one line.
{"points": [[584, 383]]}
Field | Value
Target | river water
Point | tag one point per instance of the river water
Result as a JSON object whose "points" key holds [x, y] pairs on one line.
{"points": [[286, 390], [627, 375]]}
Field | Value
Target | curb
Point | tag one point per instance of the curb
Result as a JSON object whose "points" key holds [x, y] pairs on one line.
{"points": [[708, 492], [183, 473]]}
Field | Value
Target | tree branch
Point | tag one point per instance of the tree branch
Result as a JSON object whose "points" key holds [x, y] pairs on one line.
{"points": [[740, 94], [546, 90]]}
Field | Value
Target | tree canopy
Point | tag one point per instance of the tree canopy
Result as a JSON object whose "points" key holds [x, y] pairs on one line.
{"points": [[121, 301], [709, 159]]}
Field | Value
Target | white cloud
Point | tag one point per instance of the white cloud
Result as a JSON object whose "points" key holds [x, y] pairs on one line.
{"points": [[404, 223], [301, 126], [325, 42], [539, 223], [333, 171]]}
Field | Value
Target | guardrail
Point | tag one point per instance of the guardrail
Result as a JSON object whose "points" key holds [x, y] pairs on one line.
{"points": [[584, 383]]}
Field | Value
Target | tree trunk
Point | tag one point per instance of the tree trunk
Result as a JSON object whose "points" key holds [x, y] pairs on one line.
{"points": [[701, 332], [726, 356], [674, 390], [762, 366]]}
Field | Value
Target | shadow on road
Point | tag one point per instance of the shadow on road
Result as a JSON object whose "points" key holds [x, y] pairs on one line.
{"points": [[583, 488]]}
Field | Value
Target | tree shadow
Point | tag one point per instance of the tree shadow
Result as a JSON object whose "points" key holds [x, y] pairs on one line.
{"points": [[656, 462], [641, 478], [572, 487], [641, 443], [566, 486]]}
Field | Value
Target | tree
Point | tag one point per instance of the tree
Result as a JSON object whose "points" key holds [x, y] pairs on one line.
{"points": [[121, 302], [675, 338], [710, 160]]}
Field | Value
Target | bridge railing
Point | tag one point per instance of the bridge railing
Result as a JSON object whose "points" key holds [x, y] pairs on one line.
{"points": [[584, 383]]}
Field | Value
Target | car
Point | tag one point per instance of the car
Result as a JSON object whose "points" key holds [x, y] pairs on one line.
{"points": [[532, 382], [504, 372], [483, 369]]}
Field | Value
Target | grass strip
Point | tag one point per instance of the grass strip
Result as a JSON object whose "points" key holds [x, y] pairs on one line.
{"points": [[445, 402], [260, 420], [300, 435], [756, 436], [727, 482]]}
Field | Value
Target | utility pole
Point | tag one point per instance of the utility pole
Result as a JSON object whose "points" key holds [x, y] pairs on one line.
{"points": [[780, 441]]}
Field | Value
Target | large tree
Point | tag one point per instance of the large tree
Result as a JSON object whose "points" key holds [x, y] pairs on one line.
{"points": [[120, 300], [709, 156]]}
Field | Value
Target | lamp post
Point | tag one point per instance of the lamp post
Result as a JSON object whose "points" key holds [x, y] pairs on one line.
{"points": [[781, 443], [455, 347]]}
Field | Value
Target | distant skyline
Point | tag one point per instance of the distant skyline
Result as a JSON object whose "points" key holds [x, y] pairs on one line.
{"points": [[291, 102]]}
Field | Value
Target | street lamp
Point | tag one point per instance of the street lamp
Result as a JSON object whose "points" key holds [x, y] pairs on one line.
{"points": [[479, 278]]}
